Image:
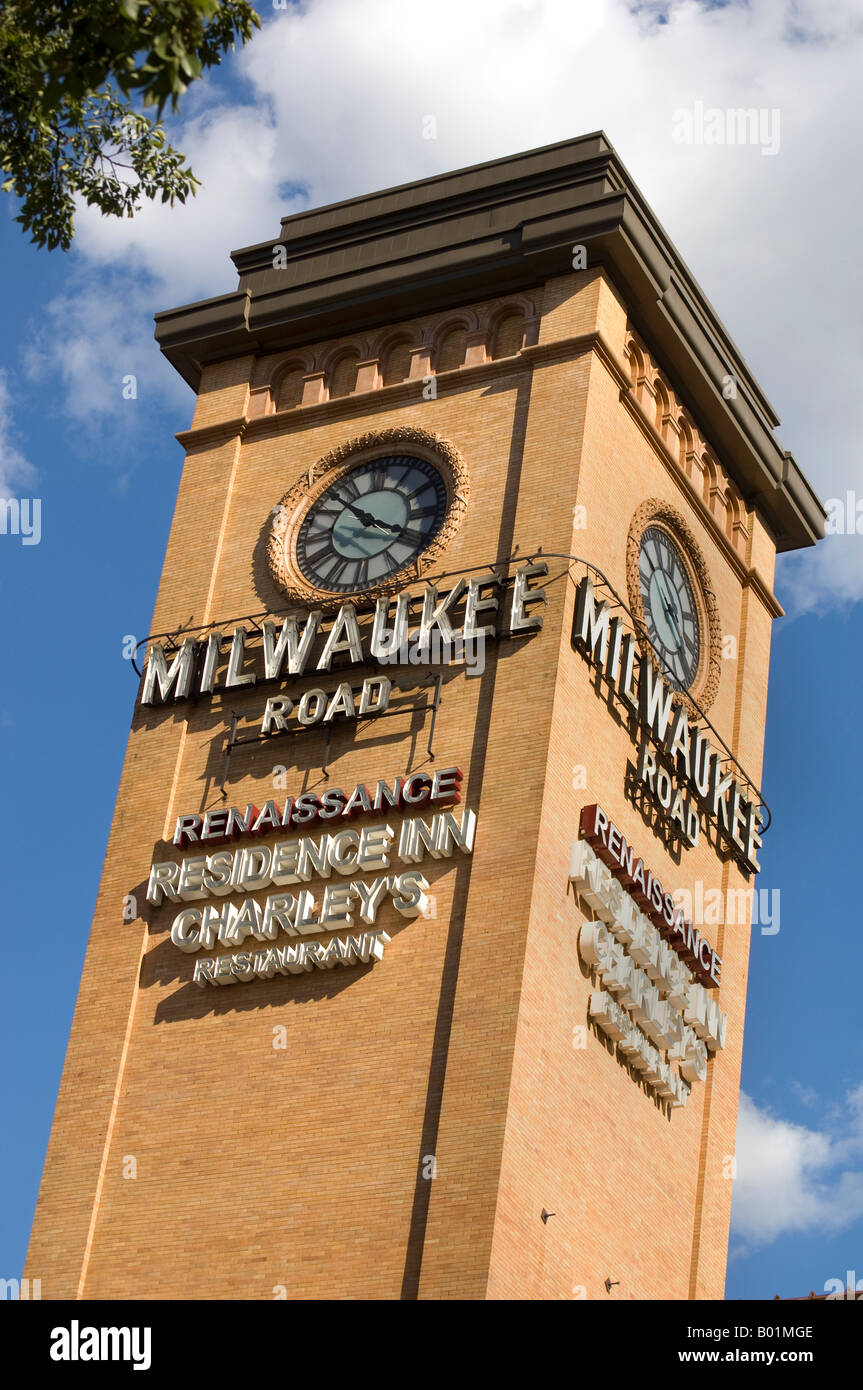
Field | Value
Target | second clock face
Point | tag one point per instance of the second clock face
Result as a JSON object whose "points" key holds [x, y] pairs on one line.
{"points": [[371, 522], [669, 606]]}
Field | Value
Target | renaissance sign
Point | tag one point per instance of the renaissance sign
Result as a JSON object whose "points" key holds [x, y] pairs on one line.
{"points": [[653, 1003], [693, 777], [646, 892], [415, 789]]}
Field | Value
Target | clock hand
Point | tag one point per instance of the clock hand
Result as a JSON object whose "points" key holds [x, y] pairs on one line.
{"points": [[365, 517], [670, 607], [669, 611], [668, 602], [369, 520], [385, 525], [654, 572]]}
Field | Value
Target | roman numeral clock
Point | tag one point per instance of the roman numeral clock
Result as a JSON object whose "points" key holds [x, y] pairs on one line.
{"points": [[371, 522], [672, 599], [669, 606], [369, 517]]}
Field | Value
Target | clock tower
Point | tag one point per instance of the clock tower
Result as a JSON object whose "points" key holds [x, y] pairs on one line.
{"points": [[418, 967]]}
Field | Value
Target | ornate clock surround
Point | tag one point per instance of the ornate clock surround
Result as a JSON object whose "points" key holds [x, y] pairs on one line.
{"points": [[657, 512], [288, 514]]}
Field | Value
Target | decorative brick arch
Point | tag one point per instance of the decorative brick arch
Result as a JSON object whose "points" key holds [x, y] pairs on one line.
{"points": [[393, 352], [686, 436], [507, 314], [459, 324], [663, 406], [287, 380], [737, 523], [342, 370], [636, 361]]}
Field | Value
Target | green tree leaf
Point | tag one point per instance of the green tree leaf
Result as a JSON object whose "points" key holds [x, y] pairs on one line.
{"points": [[68, 126]]}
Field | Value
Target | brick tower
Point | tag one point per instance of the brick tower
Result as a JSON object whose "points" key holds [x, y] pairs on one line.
{"points": [[449, 726]]}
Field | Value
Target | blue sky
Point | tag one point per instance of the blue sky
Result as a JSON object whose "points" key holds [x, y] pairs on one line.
{"points": [[754, 229]]}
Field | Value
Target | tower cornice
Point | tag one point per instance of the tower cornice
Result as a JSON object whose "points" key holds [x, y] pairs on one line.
{"points": [[487, 230]]}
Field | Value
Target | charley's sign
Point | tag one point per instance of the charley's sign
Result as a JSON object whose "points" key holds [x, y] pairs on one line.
{"points": [[685, 774]]}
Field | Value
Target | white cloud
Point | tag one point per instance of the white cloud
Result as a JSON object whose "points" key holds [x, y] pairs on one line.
{"points": [[15, 470], [91, 340], [340, 93], [185, 249], [794, 1179], [831, 574]]}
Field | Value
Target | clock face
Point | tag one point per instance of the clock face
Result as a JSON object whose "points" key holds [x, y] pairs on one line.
{"points": [[669, 606], [371, 522]]}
